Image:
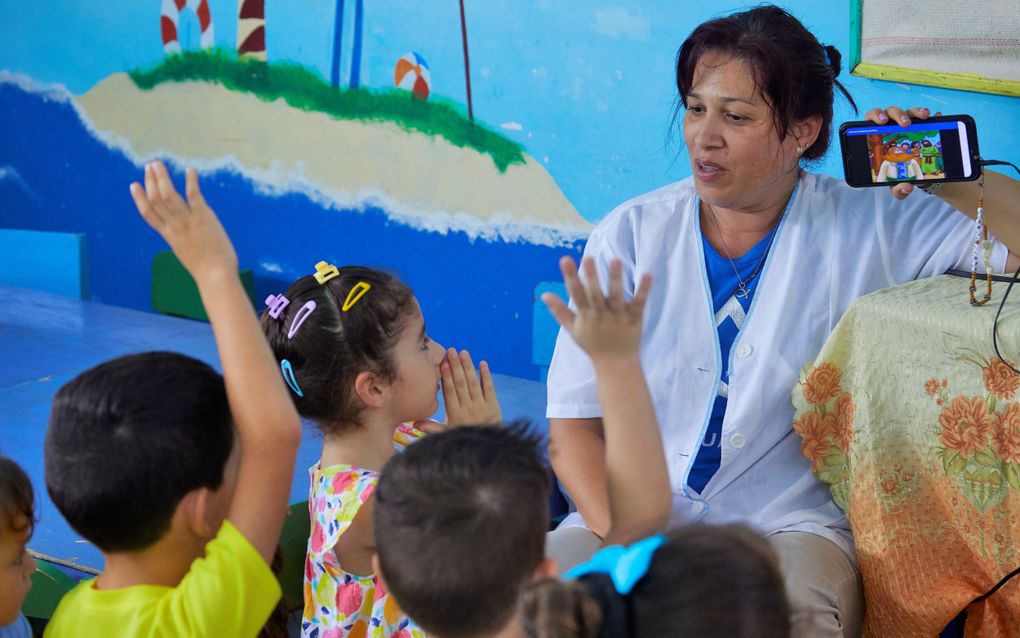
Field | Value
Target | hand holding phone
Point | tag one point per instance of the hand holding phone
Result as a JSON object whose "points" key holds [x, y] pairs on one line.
{"points": [[938, 149]]}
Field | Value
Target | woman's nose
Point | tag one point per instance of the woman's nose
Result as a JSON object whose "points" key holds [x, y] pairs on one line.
{"points": [[708, 134]]}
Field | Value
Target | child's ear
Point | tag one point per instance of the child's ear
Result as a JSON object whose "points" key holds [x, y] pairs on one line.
{"points": [[546, 569], [194, 508], [370, 389]]}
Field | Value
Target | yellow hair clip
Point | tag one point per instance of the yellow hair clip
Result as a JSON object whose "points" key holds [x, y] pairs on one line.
{"points": [[356, 293], [325, 271]]}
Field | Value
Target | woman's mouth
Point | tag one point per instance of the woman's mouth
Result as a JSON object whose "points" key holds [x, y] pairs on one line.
{"points": [[707, 171]]}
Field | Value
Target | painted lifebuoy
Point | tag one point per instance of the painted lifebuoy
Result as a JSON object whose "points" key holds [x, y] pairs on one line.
{"points": [[168, 23]]}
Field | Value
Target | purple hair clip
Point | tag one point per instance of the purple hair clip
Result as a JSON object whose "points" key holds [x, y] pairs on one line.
{"points": [[276, 304], [299, 318]]}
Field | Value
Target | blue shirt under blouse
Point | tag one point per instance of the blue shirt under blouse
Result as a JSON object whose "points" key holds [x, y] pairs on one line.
{"points": [[730, 312]]}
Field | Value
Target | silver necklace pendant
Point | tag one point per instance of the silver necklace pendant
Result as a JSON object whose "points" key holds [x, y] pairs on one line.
{"points": [[742, 292]]}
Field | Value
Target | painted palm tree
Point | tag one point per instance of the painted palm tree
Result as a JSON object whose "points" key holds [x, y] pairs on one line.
{"points": [[338, 30], [251, 29], [467, 64]]}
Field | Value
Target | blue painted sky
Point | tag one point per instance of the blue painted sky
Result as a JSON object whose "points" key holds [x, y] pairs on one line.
{"points": [[589, 83]]}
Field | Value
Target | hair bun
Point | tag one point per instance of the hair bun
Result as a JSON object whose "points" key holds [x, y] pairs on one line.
{"points": [[834, 59]]}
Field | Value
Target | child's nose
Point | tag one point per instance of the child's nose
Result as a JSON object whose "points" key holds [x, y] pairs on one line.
{"points": [[438, 352]]}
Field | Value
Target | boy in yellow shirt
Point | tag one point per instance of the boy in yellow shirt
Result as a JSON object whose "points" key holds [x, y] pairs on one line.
{"points": [[180, 476]]}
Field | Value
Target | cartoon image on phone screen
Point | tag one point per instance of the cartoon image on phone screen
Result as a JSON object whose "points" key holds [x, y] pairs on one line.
{"points": [[924, 151]]}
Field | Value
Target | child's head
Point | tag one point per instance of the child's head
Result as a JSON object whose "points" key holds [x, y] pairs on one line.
{"points": [[703, 581], [17, 516], [337, 359], [131, 439], [460, 523]]}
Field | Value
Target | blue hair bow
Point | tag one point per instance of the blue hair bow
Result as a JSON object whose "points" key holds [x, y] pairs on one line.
{"points": [[626, 566]]}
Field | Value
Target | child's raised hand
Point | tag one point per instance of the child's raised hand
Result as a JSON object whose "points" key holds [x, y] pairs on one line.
{"points": [[190, 227], [606, 327], [469, 396]]}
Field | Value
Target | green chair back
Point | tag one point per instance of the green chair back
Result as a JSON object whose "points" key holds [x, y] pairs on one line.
{"points": [[49, 584], [174, 292], [297, 528]]}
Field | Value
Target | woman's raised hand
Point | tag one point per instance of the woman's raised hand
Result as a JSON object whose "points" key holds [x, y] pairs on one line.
{"points": [[903, 117], [605, 326]]}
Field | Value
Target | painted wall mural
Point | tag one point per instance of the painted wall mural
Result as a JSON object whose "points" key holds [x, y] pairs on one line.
{"points": [[464, 145]]}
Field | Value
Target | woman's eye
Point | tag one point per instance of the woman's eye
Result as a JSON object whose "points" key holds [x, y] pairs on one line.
{"points": [[425, 343], [736, 118], [696, 109]]}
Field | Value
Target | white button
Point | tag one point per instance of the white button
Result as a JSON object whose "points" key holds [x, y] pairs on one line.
{"points": [[744, 350], [698, 507], [738, 440]]}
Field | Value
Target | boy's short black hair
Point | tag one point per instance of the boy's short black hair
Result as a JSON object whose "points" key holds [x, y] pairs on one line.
{"points": [[129, 438], [17, 499], [460, 523]]}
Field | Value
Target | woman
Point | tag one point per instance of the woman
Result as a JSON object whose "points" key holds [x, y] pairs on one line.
{"points": [[755, 260]]}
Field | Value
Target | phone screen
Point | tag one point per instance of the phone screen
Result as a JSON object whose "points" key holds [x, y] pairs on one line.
{"points": [[924, 151]]}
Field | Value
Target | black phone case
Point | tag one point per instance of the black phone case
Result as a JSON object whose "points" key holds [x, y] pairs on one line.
{"points": [[975, 155]]}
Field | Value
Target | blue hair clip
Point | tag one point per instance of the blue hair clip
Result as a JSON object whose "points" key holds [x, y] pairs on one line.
{"points": [[825, 52], [288, 376], [626, 566]]}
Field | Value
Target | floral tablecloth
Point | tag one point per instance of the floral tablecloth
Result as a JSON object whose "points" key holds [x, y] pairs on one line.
{"points": [[914, 423]]}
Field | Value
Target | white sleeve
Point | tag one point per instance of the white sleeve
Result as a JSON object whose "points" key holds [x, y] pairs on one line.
{"points": [[570, 385], [925, 237]]}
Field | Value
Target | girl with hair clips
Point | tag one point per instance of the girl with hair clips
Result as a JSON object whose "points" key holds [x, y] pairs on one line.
{"points": [[352, 345], [756, 259]]}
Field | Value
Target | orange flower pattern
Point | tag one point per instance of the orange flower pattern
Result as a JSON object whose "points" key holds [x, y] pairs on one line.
{"points": [[1000, 381], [966, 425], [816, 432], [845, 412], [1006, 435], [822, 384]]}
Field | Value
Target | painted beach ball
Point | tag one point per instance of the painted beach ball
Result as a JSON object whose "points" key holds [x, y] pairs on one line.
{"points": [[412, 73]]}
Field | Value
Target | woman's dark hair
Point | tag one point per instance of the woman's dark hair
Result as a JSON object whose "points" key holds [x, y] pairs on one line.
{"points": [[793, 71], [705, 581], [129, 438], [17, 499], [332, 347]]}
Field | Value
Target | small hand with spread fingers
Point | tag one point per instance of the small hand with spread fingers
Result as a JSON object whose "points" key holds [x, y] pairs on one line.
{"points": [[190, 227], [605, 326]]}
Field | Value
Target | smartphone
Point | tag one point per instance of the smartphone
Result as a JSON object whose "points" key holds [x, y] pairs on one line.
{"points": [[939, 149]]}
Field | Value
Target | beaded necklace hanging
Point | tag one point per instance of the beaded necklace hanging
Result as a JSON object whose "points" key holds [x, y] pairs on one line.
{"points": [[983, 245]]}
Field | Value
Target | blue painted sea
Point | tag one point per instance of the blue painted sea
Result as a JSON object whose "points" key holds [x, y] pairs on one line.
{"points": [[56, 176]]}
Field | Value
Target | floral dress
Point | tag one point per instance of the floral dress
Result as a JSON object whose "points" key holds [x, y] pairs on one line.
{"points": [[339, 604]]}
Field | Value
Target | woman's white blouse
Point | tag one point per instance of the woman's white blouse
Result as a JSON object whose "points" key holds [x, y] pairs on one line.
{"points": [[834, 244]]}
